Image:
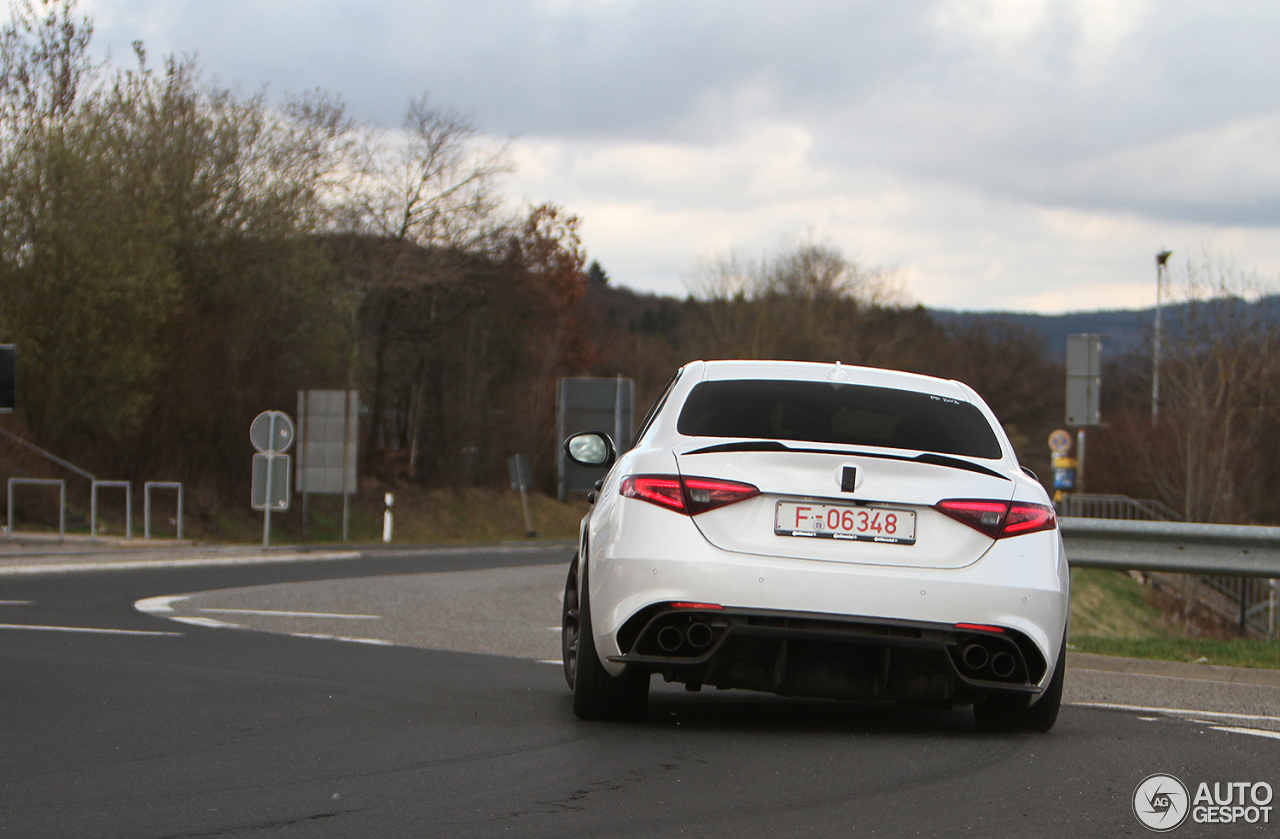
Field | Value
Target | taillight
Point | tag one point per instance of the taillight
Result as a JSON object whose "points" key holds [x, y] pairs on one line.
{"points": [[663, 490], [702, 494], [686, 495], [999, 519]]}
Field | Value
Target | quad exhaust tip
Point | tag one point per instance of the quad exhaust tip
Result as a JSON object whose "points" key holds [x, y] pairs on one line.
{"points": [[699, 635], [975, 656], [670, 639], [1003, 664]]}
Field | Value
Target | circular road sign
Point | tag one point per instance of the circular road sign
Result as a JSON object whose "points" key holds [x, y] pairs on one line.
{"points": [[1059, 442], [271, 432]]}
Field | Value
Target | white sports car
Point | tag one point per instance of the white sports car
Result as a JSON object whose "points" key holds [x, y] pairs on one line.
{"points": [[818, 530]]}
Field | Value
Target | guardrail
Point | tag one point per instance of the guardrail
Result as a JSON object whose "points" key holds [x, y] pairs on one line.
{"points": [[1180, 547], [1116, 507]]}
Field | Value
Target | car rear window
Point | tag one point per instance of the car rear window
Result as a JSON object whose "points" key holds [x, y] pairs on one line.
{"points": [[817, 412]]}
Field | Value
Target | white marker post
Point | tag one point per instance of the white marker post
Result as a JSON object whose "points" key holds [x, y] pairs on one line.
{"points": [[386, 518]]}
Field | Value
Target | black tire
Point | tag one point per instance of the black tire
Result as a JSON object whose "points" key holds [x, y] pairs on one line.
{"points": [[1003, 713], [569, 623], [596, 694]]}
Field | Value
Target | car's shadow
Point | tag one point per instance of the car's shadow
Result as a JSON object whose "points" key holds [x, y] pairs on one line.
{"points": [[736, 709]]}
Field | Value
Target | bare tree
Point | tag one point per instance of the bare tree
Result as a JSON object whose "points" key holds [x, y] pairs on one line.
{"points": [[803, 302], [430, 184], [429, 192], [1221, 393]]}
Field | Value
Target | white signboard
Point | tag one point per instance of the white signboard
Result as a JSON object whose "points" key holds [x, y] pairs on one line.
{"points": [[328, 430], [278, 464]]}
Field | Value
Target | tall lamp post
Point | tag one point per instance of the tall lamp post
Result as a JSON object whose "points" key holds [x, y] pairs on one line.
{"points": [[1162, 260]]}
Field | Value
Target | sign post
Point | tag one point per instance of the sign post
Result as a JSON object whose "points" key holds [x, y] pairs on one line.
{"points": [[271, 434], [8, 376], [1084, 387], [518, 469], [1064, 467]]}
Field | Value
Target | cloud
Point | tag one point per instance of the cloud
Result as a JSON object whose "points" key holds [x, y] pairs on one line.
{"points": [[1029, 151], [651, 209]]}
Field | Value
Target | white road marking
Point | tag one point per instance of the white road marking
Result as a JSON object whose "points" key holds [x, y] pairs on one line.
{"points": [[83, 629], [375, 641], [152, 605], [196, 562], [292, 614], [207, 622], [1111, 706], [262, 559], [550, 661], [554, 628], [15, 602], [1257, 732]]}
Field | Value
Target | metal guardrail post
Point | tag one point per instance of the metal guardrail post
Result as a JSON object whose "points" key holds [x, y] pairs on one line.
{"points": [[62, 502], [146, 504], [93, 506]]}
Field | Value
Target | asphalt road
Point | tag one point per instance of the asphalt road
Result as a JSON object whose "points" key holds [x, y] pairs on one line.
{"points": [[205, 731]]}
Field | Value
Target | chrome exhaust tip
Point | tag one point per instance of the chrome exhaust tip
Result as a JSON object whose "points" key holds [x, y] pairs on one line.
{"points": [[975, 656], [670, 639], [699, 635], [1003, 665]]}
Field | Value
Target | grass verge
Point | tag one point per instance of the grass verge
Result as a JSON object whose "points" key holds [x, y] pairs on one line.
{"points": [[419, 516], [1111, 614]]}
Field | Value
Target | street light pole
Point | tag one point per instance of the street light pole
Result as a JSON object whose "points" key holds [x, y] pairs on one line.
{"points": [[1162, 260]]}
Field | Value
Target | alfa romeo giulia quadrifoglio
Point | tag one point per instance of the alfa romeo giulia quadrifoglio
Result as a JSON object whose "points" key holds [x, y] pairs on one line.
{"points": [[818, 530]]}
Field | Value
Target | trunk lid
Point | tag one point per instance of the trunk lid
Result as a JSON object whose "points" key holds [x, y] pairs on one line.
{"points": [[820, 478]]}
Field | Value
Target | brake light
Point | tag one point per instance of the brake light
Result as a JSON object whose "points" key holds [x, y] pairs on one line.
{"points": [[999, 519], [681, 605], [686, 495]]}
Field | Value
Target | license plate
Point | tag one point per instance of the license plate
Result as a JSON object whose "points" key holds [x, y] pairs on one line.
{"points": [[857, 524]]}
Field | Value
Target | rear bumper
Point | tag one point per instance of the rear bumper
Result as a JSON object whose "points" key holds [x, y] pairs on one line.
{"points": [[1021, 584], [806, 654]]}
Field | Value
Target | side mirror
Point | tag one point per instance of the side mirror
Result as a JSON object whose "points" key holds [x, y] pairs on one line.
{"points": [[591, 448]]}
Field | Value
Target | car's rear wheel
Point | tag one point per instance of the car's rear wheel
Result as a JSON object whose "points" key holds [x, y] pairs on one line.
{"points": [[569, 623], [1004, 713], [596, 694]]}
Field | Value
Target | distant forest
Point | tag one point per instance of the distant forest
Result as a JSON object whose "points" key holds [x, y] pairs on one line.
{"points": [[176, 257]]}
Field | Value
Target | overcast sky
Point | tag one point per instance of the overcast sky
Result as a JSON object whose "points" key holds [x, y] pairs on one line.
{"points": [[1002, 154]]}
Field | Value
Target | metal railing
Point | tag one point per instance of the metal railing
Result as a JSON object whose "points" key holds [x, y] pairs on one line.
{"points": [[146, 504], [1116, 507], [1181, 547], [1233, 556], [93, 505], [62, 502]]}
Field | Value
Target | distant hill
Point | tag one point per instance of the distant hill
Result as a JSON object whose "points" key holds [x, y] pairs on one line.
{"points": [[1125, 330]]}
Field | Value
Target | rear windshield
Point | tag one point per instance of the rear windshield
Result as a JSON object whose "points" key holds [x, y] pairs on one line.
{"points": [[817, 412]]}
